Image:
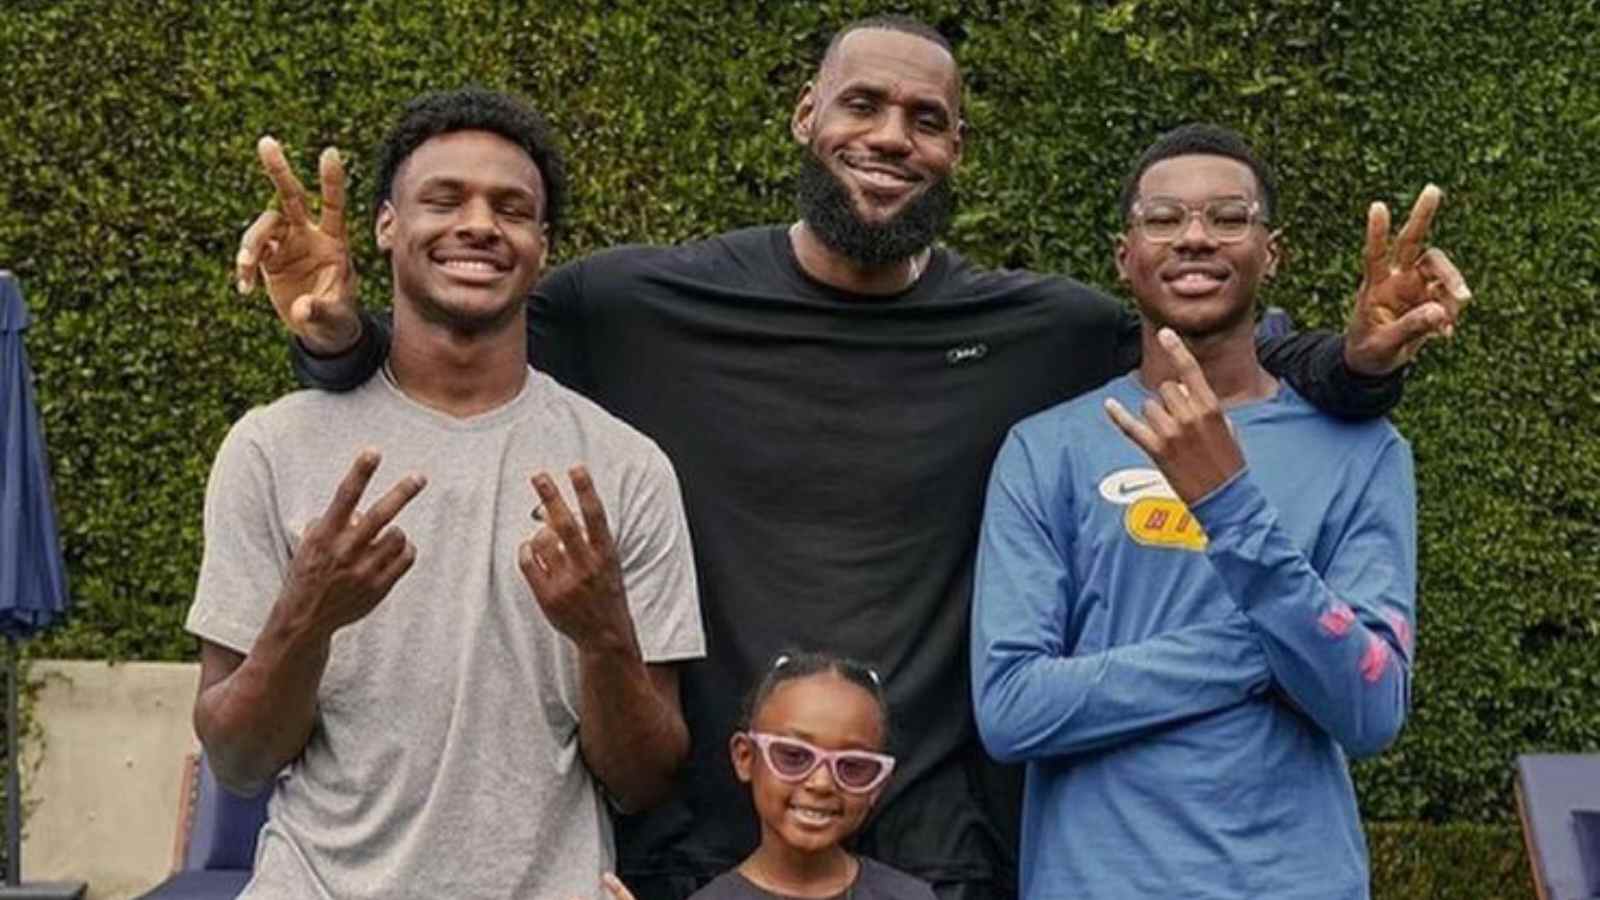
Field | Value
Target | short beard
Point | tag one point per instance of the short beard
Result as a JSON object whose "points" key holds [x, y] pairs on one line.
{"points": [[827, 208], [465, 325]]}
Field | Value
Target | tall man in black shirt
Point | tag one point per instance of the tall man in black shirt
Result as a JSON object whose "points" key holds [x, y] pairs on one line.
{"points": [[832, 392]]}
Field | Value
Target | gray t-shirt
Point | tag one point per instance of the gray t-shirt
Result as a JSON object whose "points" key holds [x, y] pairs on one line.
{"points": [[444, 761]]}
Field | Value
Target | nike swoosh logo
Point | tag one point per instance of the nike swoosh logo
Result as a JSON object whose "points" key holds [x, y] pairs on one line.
{"points": [[1126, 489]]}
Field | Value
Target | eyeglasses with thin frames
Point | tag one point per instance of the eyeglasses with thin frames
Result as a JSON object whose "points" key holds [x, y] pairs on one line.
{"points": [[793, 760], [1162, 220]]}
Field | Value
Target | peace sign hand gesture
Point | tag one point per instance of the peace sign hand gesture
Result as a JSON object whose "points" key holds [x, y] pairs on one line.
{"points": [[573, 568], [1408, 295], [348, 559], [305, 264]]}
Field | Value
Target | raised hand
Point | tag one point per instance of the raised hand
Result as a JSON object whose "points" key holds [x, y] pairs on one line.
{"points": [[306, 265], [344, 566], [1184, 431], [574, 571], [1409, 293]]}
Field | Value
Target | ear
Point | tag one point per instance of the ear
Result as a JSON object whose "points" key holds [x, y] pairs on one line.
{"points": [[544, 245], [1276, 250], [805, 111], [743, 754], [1120, 254], [383, 231]]}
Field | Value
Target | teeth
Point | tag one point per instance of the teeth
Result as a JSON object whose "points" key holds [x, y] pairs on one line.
{"points": [[880, 177], [813, 816], [1195, 281], [469, 265]]}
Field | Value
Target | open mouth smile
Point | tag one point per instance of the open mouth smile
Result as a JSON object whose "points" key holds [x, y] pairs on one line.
{"points": [[473, 267], [814, 816], [879, 176], [1195, 279]]}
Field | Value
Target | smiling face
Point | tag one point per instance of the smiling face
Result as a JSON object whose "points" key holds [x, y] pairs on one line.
{"points": [[883, 120], [464, 230], [830, 712], [1195, 284]]}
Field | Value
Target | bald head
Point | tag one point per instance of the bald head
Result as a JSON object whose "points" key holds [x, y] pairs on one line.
{"points": [[896, 23]]}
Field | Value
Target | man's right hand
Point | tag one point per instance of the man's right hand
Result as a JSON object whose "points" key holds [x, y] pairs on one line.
{"points": [[344, 567], [306, 265]]}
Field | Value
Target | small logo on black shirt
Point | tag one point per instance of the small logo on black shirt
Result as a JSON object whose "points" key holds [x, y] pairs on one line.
{"points": [[966, 353]]}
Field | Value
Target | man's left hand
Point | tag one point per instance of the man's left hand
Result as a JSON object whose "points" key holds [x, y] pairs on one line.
{"points": [[1184, 431], [574, 571], [1409, 293]]}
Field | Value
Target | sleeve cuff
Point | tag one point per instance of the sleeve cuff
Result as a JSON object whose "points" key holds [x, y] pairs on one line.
{"points": [[347, 370], [1233, 503]]}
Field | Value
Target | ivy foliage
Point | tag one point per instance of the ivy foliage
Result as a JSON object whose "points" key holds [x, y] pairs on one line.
{"points": [[127, 173]]}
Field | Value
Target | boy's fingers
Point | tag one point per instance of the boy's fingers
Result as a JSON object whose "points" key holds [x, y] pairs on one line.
{"points": [[594, 512]]}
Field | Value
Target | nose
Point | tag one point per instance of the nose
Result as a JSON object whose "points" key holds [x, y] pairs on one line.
{"points": [[891, 134], [820, 779], [477, 220], [1194, 233]]}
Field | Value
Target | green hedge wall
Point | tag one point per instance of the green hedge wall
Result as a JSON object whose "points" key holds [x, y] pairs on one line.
{"points": [[127, 173], [1448, 862]]}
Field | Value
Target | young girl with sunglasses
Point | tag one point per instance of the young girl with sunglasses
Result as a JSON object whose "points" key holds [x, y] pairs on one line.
{"points": [[811, 747]]}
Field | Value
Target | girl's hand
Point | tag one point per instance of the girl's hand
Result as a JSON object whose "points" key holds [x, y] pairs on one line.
{"points": [[614, 888]]}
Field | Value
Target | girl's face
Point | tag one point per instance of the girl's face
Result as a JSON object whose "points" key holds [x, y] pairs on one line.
{"points": [[831, 713]]}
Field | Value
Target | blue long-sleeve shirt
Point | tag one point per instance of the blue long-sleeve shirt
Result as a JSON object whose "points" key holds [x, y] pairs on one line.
{"points": [[1185, 685]]}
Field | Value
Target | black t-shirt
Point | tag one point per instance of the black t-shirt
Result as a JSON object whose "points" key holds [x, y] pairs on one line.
{"points": [[874, 881], [833, 451]]}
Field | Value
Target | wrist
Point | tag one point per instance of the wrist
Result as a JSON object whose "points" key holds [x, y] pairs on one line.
{"points": [[610, 647], [334, 341], [297, 624]]}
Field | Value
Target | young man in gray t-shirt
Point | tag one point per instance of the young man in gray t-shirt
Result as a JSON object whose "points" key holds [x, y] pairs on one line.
{"points": [[445, 710]]}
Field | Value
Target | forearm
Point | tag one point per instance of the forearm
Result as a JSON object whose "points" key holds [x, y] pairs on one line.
{"points": [[258, 718], [1314, 362], [631, 732], [1032, 704], [1343, 662]]}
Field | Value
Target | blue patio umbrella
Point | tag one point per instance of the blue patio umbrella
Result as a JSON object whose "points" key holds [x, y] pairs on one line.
{"points": [[33, 583]]}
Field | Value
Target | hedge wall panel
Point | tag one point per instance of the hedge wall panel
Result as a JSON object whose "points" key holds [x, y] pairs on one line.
{"points": [[127, 172]]}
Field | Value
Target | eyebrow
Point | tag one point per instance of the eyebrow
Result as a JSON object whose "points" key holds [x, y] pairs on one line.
{"points": [[1145, 198], [808, 737], [877, 91], [451, 182]]}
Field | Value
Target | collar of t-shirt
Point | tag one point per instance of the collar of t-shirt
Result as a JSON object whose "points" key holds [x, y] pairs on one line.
{"points": [[789, 262]]}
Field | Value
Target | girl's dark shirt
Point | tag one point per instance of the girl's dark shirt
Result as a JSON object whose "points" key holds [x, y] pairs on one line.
{"points": [[875, 881]]}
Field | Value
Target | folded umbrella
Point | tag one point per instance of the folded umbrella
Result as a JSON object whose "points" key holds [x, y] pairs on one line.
{"points": [[33, 582]]}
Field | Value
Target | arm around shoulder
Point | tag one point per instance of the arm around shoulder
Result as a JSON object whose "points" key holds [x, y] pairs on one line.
{"points": [[348, 369], [1314, 362]]}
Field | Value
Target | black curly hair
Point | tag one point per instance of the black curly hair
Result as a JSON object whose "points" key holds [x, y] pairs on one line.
{"points": [[475, 109], [795, 664], [1203, 138]]}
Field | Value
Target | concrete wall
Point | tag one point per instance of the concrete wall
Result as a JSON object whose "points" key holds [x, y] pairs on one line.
{"points": [[101, 782]]}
